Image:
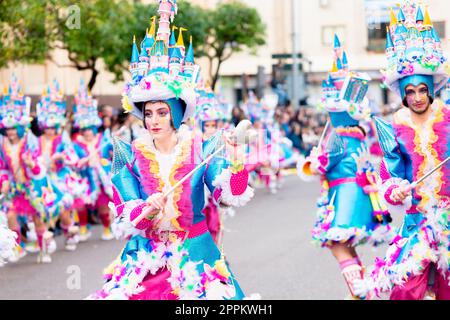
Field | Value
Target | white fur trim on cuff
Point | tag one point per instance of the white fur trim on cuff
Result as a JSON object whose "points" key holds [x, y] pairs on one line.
{"points": [[122, 227], [223, 182], [394, 209]]}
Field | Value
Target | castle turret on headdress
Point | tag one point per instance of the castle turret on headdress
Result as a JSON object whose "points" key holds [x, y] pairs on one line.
{"points": [[167, 10], [134, 62], [412, 44]]}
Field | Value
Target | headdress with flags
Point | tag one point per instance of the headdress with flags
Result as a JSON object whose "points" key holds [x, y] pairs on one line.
{"points": [[343, 93], [14, 106], [414, 51], [51, 110], [85, 109], [163, 70]]}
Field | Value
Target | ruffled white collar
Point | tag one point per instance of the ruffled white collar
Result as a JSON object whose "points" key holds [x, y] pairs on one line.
{"points": [[183, 134]]}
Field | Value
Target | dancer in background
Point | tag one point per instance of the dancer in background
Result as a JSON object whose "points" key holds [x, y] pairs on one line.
{"points": [[349, 211], [23, 176], [56, 150], [94, 150]]}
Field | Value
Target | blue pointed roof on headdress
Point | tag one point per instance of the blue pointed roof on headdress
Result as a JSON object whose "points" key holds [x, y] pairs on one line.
{"points": [[344, 59], [419, 16], [176, 53], [339, 63], [172, 41], [401, 29], [148, 42], [330, 81], [389, 43], [135, 53], [190, 53], [337, 42], [144, 53], [401, 16]]}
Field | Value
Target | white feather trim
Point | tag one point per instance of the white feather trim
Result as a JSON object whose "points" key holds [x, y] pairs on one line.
{"points": [[7, 244], [122, 227], [382, 234], [223, 182], [301, 169]]}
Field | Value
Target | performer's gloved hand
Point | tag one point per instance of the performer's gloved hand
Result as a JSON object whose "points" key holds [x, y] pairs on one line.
{"points": [[362, 288], [402, 192]]}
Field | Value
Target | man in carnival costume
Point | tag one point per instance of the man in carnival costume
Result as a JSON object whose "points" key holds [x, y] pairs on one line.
{"points": [[94, 151], [349, 211], [24, 187], [58, 154], [170, 253], [416, 265]]}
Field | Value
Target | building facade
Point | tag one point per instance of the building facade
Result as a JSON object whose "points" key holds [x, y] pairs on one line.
{"points": [[360, 25]]}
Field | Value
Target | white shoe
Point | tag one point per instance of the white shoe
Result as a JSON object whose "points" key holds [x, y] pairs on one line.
{"points": [[18, 254], [85, 234], [107, 234], [44, 258], [32, 247], [72, 239]]}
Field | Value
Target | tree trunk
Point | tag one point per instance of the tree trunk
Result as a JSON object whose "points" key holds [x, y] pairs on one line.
{"points": [[215, 77], [93, 79]]}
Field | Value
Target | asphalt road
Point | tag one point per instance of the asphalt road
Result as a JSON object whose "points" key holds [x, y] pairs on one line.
{"points": [[267, 244]]}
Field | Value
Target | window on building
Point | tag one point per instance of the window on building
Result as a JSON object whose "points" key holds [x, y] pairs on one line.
{"points": [[377, 38], [328, 33], [439, 26]]}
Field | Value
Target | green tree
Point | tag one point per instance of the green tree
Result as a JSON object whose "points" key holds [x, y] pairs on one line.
{"points": [[233, 27], [102, 30], [24, 35]]}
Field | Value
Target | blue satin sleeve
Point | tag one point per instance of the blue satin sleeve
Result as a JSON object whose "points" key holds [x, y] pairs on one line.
{"points": [[127, 184], [335, 150], [393, 158], [213, 170]]}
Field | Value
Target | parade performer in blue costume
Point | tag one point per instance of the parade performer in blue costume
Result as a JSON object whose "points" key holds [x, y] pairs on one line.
{"points": [[207, 117], [416, 265], [23, 180], [94, 152], [263, 155], [349, 213], [57, 152], [170, 253]]}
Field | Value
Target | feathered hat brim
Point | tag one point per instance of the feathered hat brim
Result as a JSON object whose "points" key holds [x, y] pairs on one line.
{"points": [[440, 77], [137, 95]]}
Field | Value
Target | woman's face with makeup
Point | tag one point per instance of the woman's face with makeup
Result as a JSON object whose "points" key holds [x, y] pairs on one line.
{"points": [[158, 119], [209, 128]]}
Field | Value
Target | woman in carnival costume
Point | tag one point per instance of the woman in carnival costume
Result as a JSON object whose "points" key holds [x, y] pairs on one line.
{"points": [[94, 152], [349, 211], [23, 177], [170, 253], [416, 265], [57, 152], [208, 117], [263, 154]]}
